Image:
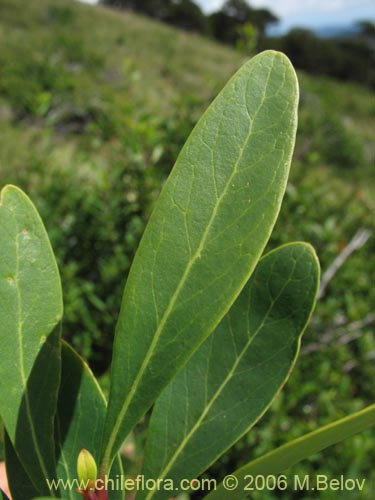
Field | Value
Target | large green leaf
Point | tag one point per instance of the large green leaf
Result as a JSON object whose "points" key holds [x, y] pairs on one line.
{"points": [[80, 421], [207, 232], [282, 458], [30, 309], [233, 377]]}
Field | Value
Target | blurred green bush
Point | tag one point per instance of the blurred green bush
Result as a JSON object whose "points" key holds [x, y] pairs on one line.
{"points": [[91, 126]]}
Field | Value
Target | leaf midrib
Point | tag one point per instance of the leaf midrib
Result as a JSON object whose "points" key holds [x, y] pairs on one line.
{"points": [[108, 450], [22, 362]]}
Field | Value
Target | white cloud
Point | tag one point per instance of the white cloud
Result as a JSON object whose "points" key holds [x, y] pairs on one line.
{"points": [[292, 7], [210, 5]]}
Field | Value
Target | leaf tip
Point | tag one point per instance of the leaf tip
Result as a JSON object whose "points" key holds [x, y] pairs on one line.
{"points": [[8, 188]]}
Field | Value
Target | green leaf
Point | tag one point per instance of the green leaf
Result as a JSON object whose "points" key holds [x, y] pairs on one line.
{"points": [[20, 484], [207, 232], [30, 308], [299, 449], [3, 495], [80, 421], [234, 376]]}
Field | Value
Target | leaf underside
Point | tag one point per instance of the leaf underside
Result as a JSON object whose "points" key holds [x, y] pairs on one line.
{"points": [[231, 380], [207, 232], [30, 309]]}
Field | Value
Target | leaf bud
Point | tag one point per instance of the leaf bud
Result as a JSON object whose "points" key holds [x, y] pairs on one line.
{"points": [[86, 467]]}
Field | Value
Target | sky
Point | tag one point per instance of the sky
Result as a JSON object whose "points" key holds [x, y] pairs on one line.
{"points": [[308, 13]]}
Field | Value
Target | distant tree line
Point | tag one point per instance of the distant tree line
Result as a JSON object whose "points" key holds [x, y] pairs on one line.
{"points": [[240, 25], [346, 58], [224, 25]]}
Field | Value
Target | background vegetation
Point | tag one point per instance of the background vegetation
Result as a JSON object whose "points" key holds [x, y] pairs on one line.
{"points": [[348, 57], [95, 105]]}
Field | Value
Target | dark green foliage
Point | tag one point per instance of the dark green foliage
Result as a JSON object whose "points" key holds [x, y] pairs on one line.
{"points": [[346, 59], [185, 14], [152, 8], [224, 25], [234, 14], [241, 12]]}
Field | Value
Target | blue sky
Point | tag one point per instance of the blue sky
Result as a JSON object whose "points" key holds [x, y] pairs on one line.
{"points": [[309, 13]]}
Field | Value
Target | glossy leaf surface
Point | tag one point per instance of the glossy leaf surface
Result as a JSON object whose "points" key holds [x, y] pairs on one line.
{"points": [[233, 377], [30, 309], [299, 449], [207, 232]]}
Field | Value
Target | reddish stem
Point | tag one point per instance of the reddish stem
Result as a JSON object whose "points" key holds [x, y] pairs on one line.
{"points": [[94, 494]]}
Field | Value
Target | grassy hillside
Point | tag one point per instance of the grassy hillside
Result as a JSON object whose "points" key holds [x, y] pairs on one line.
{"points": [[94, 107]]}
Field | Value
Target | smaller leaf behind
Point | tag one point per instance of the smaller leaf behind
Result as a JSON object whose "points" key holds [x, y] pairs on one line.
{"points": [[79, 422], [286, 456], [233, 377], [20, 484]]}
